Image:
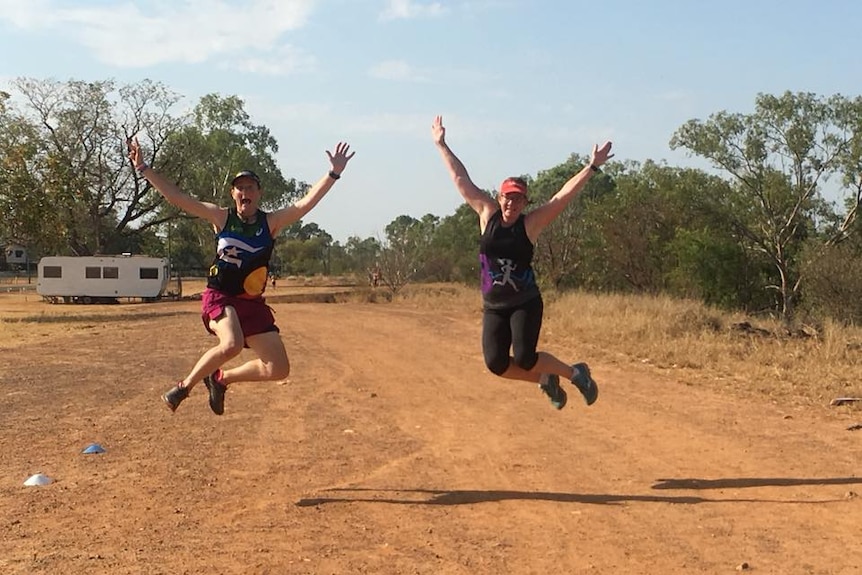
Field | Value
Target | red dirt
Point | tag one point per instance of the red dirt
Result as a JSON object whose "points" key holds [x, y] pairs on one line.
{"points": [[392, 450]]}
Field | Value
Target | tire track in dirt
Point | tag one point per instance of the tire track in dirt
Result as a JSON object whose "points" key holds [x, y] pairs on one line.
{"points": [[390, 449], [641, 432]]}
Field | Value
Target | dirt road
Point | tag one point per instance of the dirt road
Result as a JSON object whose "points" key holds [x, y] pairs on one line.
{"points": [[391, 450]]}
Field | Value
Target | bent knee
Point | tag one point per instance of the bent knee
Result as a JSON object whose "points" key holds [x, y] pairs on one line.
{"points": [[526, 361], [497, 365], [281, 373], [277, 370], [231, 347]]}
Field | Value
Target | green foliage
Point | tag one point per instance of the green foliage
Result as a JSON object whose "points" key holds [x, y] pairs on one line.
{"points": [[555, 258], [220, 140], [716, 270], [404, 253], [362, 254], [188, 242], [69, 187], [302, 257], [453, 249], [303, 249], [833, 288], [777, 158], [756, 235]]}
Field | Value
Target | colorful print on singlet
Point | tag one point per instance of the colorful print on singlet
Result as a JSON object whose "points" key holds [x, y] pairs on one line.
{"points": [[506, 256], [242, 257]]}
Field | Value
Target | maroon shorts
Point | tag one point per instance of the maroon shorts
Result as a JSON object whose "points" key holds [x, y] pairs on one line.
{"points": [[254, 315]]}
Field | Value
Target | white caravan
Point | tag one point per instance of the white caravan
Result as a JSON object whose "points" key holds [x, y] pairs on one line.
{"points": [[101, 279]]}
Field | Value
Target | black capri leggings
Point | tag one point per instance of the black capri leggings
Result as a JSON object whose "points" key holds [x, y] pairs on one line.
{"points": [[516, 327]]}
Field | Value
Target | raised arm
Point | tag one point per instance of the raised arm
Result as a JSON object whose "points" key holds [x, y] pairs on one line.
{"points": [[538, 219], [171, 192], [481, 203], [279, 219]]}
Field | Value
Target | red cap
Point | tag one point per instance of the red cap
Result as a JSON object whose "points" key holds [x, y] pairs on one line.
{"points": [[513, 186]]}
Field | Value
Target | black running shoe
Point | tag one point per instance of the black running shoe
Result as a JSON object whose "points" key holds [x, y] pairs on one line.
{"points": [[553, 390], [175, 396], [216, 389], [585, 383]]}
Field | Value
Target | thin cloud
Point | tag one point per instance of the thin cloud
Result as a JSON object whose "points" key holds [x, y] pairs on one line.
{"points": [[188, 31], [398, 70], [285, 61], [277, 112], [405, 124], [409, 9], [27, 15]]}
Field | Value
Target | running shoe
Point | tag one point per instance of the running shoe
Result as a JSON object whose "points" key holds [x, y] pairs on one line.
{"points": [[552, 389], [216, 389], [175, 396], [585, 383]]}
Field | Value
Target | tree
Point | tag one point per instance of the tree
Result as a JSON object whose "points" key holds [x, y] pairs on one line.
{"points": [[402, 254], [778, 158], [213, 143], [558, 249], [834, 285], [66, 181], [25, 210], [454, 248], [303, 250], [75, 155], [363, 254]]}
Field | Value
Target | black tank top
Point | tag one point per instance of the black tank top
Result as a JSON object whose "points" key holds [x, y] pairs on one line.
{"points": [[506, 257]]}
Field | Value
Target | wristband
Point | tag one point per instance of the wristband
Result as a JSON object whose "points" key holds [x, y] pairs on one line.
{"points": [[595, 168], [141, 168], [333, 175]]}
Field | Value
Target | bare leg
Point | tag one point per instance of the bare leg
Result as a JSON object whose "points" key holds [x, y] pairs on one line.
{"points": [[230, 344], [272, 362], [547, 364]]}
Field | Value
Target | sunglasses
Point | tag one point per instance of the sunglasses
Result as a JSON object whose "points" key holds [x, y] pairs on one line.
{"points": [[515, 198]]}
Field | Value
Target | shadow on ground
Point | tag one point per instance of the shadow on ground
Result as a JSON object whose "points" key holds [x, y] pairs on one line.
{"points": [[468, 497]]}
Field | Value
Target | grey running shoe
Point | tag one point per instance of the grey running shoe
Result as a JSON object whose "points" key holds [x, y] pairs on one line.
{"points": [[553, 390], [175, 395], [216, 389], [585, 383]]}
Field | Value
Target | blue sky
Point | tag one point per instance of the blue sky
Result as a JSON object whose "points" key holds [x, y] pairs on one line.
{"points": [[520, 84]]}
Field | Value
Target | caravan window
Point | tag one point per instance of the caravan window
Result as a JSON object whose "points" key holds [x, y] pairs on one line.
{"points": [[149, 273], [93, 273], [110, 273], [52, 272]]}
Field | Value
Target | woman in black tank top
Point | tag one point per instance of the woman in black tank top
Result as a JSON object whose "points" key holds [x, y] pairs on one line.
{"points": [[512, 302]]}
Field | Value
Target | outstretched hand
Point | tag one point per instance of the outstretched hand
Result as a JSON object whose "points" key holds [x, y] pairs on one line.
{"points": [[438, 132], [340, 158], [135, 154], [601, 154]]}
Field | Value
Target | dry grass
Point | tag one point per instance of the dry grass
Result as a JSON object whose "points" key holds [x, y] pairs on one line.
{"points": [[689, 341], [707, 346]]}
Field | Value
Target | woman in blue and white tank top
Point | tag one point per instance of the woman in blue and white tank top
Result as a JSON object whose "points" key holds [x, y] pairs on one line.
{"points": [[233, 307]]}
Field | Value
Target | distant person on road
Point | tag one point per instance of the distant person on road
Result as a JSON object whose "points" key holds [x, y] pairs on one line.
{"points": [[512, 304], [233, 306]]}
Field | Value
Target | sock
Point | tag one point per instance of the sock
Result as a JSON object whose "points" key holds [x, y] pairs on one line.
{"points": [[544, 378]]}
